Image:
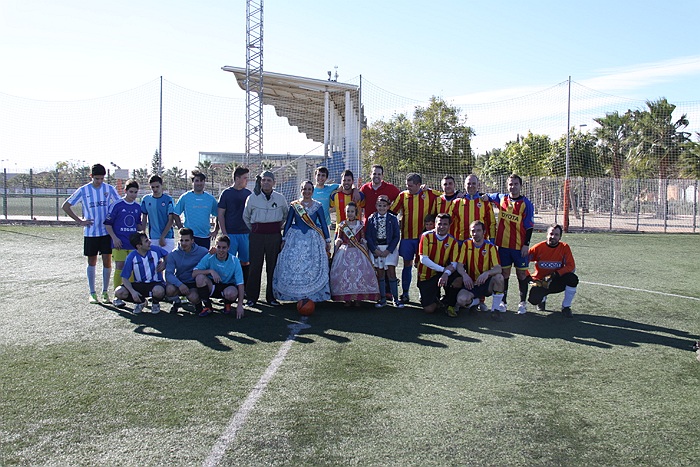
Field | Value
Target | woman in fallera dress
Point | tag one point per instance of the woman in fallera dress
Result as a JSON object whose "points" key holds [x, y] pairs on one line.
{"points": [[302, 265], [352, 274]]}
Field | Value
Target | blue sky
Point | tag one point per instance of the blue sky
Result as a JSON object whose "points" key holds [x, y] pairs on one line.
{"points": [[466, 51]]}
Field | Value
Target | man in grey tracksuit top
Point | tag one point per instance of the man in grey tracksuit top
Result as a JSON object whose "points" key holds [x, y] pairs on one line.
{"points": [[178, 270]]}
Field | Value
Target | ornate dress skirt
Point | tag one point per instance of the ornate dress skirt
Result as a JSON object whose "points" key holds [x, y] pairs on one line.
{"points": [[302, 268]]}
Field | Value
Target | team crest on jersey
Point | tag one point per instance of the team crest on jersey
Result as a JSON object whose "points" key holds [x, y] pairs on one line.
{"points": [[422, 195], [478, 205], [163, 204], [483, 252], [446, 246]]}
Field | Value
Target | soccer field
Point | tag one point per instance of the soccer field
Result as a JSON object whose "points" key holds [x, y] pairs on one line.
{"points": [[93, 385]]}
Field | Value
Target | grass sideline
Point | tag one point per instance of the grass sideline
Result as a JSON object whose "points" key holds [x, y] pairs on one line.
{"points": [[91, 385]]}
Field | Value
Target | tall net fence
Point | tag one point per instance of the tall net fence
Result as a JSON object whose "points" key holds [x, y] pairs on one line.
{"points": [[634, 187]]}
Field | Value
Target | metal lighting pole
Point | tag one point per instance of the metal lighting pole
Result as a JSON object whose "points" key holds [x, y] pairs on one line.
{"points": [[567, 182]]}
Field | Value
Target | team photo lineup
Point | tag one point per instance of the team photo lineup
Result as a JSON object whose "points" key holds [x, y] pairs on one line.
{"points": [[462, 244]]}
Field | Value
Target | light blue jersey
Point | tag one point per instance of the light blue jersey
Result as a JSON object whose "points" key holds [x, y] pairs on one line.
{"points": [[323, 196], [158, 211], [198, 208], [229, 270], [97, 203]]}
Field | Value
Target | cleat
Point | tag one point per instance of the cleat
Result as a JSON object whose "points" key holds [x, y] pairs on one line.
{"points": [[105, 297], [250, 303], [566, 311], [451, 312], [380, 304], [93, 299], [118, 302], [139, 308], [474, 309], [541, 306], [227, 309], [273, 302], [502, 307], [155, 308], [522, 308], [483, 307], [206, 311], [175, 308], [404, 298], [398, 304], [496, 316]]}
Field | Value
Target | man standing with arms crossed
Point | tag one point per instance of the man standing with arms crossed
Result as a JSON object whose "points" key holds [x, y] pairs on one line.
{"points": [[97, 199], [265, 213], [198, 206], [516, 220], [231, 206]]}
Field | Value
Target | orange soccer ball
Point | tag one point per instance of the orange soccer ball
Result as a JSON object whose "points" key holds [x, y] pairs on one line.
{"points": [[305, 307]]}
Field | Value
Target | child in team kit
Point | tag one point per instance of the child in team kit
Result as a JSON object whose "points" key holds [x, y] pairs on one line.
{"points": [[123, 221]]}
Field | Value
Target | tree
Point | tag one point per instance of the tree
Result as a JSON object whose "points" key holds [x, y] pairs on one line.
{"points": [[156, 164], [690, 159], [527, 156], [435, 141], [613, 146], [583, 156], [175, 177], [140, 175], [492, 167], [659, 141]]}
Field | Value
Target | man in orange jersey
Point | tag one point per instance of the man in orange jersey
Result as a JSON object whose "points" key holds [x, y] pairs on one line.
{"points": [[439, 253], [413, 204], [516, 219], [344, 195], [480, 271], [554, 271]]}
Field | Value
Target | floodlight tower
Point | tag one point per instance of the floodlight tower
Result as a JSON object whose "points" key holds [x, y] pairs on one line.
{"points": [[254, 80]]}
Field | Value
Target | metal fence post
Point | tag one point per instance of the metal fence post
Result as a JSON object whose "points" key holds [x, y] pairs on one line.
{"points": [[583, 204], [57, 208], [612, 200], [31, 193], [4, 193], [695, 205], [638, 203]]}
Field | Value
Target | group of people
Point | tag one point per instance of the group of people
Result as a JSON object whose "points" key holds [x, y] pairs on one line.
{"points": [[463, 252]]}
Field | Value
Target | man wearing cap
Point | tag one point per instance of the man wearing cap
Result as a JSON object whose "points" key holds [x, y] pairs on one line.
{"points": [[264, 213]]}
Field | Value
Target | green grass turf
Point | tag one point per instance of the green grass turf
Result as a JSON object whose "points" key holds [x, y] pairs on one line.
{"points": [[617, 385]]}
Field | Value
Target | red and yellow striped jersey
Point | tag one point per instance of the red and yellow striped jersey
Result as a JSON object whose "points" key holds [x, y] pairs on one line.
{"points": [[468, 210], [339, 200], [442, 252], [514, 218], [413, 209], [478, 259], [444, 205]]}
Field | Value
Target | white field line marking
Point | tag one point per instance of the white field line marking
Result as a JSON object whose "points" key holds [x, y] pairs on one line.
{"points": [[239, 418], [641, 290]]}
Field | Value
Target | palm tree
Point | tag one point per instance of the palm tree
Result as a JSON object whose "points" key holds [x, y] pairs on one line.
{"points": [[659, 143], [613, 145]]}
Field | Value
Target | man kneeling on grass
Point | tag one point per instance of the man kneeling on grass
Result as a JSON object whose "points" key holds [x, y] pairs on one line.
{"points": [[147, 265], [554, 271], [220, 276], [178, 271]]}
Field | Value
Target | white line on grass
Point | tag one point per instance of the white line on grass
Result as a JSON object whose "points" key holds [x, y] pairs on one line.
{"points": [[239, 418], [641, 290]]}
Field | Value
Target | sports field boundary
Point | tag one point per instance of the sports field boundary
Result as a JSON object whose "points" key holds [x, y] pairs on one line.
{"points": [[239, 418], [634, 289]]}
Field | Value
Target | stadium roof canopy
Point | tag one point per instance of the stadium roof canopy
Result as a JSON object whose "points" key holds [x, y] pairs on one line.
{"points": [[303, 101]]}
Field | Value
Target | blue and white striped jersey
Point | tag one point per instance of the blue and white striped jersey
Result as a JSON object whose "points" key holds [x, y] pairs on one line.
{"points": [[144, 267], [97, 203]]}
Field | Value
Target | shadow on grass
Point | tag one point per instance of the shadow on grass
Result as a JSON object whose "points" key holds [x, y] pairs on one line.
{"points": [[592, 330], [334, 322]]}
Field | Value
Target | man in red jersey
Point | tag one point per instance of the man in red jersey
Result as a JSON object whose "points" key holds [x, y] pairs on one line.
{"points": [[554, 271], [412, 204], [372, 190], [439, 253]]}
